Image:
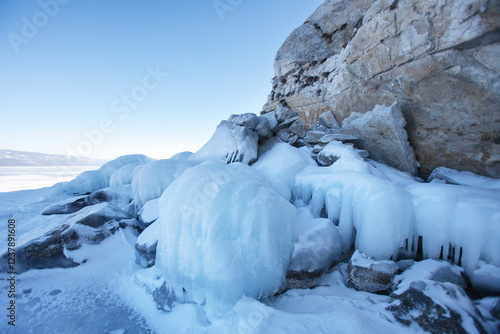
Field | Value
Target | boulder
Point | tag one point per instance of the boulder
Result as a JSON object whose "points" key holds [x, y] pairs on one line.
{"points": [[297, 127], [263, 128], [365, 274], [382, 133], [328, 119], [439, 60], [248, 120], [313, 137], [271, 119]]}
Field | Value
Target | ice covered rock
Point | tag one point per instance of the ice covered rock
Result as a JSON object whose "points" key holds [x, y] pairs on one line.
{"points": [[248, 120], [146, 244], [120, 196], [458, 223], [153, 178], [424, 296], [90, 181], [382, 133], [149, 213], [369, 275], [486, 279], [230, 143], [77, 234], [69, 205], [319, 244], [97, 215], [89, 225], [335, 150], [124, 175], [280, 163], [46, 251], [452, 176], [433, 270], [225, 233]]}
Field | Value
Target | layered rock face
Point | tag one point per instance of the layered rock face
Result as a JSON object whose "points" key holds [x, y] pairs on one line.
{"points": [[438, 59]]}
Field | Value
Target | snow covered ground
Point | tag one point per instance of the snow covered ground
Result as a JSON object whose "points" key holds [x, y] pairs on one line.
{"points": [[13, 178]]}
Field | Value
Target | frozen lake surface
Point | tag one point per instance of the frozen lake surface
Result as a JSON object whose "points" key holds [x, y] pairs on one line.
{"points": [[13, 178]]}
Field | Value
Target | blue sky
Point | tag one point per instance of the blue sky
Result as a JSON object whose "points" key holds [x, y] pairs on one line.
{"points": [[107, 78]]}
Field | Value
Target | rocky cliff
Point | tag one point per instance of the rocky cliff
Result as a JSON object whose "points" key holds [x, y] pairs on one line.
{"points": [[437, 59]]}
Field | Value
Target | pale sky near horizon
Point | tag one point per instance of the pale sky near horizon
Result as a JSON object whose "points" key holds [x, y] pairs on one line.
{"points": [[107, 78]]}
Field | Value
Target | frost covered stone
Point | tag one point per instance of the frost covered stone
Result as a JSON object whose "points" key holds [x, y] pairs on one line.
{"points": [[153, 178], [225, 234], [230, 143]]}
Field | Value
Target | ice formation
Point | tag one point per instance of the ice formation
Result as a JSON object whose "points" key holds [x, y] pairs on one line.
{"points": [[90, 181], [280, 163], [153, 178], [371, 212], [124, 175], [225, 234], [458, 223]]}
